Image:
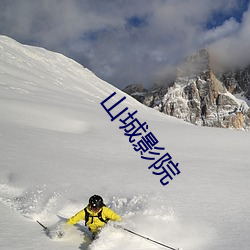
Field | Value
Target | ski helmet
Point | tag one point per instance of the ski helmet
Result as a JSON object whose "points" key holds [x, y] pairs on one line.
{"points": [[96, 202]]}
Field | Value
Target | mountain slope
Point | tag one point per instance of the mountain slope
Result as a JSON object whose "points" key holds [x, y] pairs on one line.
{"points": [[59, 146], [202, 96]]}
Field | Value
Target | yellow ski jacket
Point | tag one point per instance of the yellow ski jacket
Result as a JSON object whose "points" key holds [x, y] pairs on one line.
{"points": [[94, 223]]}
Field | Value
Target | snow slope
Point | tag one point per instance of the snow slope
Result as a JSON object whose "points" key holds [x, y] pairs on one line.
{"points": [[59, 146]]}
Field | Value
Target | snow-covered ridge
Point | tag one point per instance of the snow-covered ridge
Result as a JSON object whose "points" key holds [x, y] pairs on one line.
{"points": [[41, 68], [58, 147], [33, 74]]}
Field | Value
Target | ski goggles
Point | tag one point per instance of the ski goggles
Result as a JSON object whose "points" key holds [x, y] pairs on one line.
{"points": [[94, 208]]}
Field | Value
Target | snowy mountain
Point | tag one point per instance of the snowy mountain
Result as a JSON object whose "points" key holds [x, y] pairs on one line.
{"points": [[59, 146], [201, 95], [237, 81]]}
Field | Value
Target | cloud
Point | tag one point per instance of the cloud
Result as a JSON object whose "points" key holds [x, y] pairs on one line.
{"points": [[125, 42], [228, 28], [233, 49]]}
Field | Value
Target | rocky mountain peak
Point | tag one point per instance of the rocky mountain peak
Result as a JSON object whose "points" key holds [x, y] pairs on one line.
{"points": [[196, 64], [200, 96]]}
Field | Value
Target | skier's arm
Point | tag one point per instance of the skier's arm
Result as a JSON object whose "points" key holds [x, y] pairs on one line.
{"points": [[110, 214], [77, 217]]}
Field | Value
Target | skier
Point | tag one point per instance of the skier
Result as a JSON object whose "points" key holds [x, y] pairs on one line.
{"points": [[95, 214]]}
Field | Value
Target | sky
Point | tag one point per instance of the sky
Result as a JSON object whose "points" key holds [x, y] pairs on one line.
{"points": [[132, 41]]}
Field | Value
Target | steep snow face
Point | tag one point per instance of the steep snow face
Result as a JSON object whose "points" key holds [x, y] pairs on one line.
{"points": [[59, 146]]}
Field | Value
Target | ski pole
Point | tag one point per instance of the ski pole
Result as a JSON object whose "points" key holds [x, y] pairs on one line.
{"points": [[45, 228], [149, 239]]}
